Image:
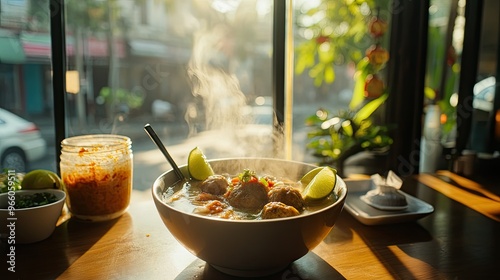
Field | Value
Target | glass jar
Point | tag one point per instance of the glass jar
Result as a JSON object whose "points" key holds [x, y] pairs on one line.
{"points": [[97, 175]]}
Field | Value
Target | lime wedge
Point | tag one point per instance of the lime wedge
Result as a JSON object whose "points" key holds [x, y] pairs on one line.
{"points": [[41, 179], [310, 175], [321, 185], [198, 167]]}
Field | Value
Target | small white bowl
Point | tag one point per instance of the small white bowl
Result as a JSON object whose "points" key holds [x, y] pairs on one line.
{"points": [[29, 225]]}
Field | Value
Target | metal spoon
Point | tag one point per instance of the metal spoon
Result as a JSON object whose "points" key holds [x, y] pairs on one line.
{"points": [[152, 134]]}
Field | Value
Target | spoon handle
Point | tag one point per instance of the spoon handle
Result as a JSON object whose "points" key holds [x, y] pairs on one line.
{"points": [[152, 134]]}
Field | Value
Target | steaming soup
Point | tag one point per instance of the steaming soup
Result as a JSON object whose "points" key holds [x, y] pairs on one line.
{"points": [[243, 196]]}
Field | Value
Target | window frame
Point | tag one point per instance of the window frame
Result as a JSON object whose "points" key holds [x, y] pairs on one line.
{"points": [[58, 47]]}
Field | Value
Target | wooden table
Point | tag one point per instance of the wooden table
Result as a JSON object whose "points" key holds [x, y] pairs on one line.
{"points": [[454, 242]]}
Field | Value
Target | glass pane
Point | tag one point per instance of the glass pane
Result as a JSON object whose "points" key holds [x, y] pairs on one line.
{"points": [[445, 41], [340, 57], [198, 71], [26, 119], [485, 134]]}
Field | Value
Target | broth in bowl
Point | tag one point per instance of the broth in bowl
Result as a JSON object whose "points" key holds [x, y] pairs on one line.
{"points": [[244, 196]]}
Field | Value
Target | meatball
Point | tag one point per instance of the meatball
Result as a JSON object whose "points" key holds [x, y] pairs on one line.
{"points": [[215, 184], [249, 195], [274, 210], [287, 195]]}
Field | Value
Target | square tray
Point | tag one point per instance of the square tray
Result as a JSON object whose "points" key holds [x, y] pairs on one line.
{"points": [[369, 215]]}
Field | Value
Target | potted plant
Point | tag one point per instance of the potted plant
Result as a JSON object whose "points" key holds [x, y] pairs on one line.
{"points": [[336, 136]]}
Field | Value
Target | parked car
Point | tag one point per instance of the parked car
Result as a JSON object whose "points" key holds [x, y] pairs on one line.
{"points": [[484, 94], [20, 142], [163, 110], [482, 137]]}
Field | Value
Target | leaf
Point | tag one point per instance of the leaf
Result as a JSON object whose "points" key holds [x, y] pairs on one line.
{"points": [[358, 94], [429, 93], [105, 92], [367, 110], [363, 64], [347, 128], [329, 74], [435, 56], [326, 56], [305, 56], [318, 80], [316, 70]]}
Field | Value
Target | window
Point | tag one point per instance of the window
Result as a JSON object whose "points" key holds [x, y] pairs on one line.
{"points": [[200, 72], [25, 87]]}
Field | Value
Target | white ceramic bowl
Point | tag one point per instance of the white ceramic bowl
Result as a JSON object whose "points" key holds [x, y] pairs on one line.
{"points": [[249, 247], [29, 225]]}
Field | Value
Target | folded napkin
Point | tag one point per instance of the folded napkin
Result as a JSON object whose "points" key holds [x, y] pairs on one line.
{"points": [[386, 194], [392, 180]]}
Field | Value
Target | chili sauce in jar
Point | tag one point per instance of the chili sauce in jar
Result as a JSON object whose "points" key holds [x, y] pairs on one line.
{"points": [[97, 175]]}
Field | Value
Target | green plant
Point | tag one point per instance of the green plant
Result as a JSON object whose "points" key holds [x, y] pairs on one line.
{"points": [[121, 96], [335, 137], [442, 79], [335, 37]]}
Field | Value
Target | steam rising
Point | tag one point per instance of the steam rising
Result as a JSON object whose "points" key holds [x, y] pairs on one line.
{"points": [[275, 167], [210, 63], [228, 120]]}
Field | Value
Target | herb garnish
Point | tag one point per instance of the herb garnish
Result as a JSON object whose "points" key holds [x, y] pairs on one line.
{"points": [[33, 200]]}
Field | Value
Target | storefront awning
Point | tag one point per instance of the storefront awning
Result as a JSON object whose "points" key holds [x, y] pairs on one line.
{"points": [[99, 47], [38, 46], [149, 48], [11, 50]]}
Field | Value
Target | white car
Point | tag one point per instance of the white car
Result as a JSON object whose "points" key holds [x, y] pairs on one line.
{"points": [[20, 142]]}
